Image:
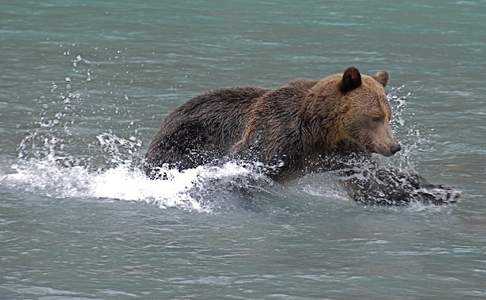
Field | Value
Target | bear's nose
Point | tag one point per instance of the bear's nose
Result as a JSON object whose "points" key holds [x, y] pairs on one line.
{"points": [[395, 148]]}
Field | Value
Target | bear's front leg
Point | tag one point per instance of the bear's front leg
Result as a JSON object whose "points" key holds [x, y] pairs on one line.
{"points": [[378, 186]]}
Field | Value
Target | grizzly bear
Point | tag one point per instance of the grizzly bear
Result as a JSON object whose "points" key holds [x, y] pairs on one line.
{"points": [[331, 124]]}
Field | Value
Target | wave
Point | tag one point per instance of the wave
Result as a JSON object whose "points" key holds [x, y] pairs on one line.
{"points": [[51, 178]]}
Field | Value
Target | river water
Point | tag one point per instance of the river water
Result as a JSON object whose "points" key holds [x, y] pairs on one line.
{"points": [[85, 84]]}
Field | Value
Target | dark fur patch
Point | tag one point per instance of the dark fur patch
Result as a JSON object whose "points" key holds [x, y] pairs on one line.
{"points": [[351, 80]]}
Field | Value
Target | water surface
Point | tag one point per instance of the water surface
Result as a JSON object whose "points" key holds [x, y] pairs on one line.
{"points": [[85, 84]]}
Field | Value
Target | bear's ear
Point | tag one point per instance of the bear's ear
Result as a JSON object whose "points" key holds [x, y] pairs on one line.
{"points": [[382, 77], [351, 80]]}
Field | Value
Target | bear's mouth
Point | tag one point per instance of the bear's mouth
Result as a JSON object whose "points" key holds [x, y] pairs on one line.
{"points": [[354, 146], [380, 151], [359, 148]]}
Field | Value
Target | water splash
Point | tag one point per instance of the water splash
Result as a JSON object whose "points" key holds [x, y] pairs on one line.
{"points": [[49, 178], [56, 161], [405, 129], [66, 155]]}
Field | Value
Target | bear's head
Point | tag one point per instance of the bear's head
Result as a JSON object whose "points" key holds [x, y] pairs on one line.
{"points": [[360, 111]]}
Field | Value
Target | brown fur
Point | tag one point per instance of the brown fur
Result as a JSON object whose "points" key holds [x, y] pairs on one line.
{"points": [[289, 125]]}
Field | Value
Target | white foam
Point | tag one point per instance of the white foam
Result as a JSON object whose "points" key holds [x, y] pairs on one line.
{"points": [[122, 182]]}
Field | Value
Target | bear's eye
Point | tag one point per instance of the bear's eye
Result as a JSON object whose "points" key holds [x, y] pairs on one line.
{"points": [[377, 119]]}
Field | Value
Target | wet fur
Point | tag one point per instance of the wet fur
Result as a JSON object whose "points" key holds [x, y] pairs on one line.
{"points": [[201, 130]]}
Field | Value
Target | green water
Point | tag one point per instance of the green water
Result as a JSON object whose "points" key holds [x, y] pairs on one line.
{"points": [[85, 84]]}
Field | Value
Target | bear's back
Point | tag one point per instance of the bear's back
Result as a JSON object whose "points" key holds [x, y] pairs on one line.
{"points": [[214, 105], [202, 128]]}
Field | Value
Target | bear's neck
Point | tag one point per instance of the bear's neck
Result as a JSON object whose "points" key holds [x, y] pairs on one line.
{"points": [[322, 130]]}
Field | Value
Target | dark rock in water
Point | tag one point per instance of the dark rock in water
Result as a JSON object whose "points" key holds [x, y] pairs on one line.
{"points": [[389, 187]]}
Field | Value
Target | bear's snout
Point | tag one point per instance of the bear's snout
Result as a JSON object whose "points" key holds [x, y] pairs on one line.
{"points": [[386, 149], [382, 141], [395, 148]]}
